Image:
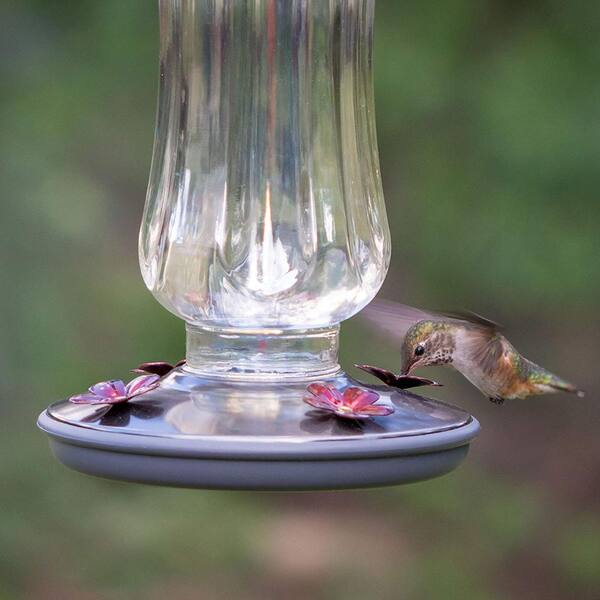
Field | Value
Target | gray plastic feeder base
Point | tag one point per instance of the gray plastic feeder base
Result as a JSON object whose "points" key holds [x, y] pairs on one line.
{"points": [[215, 435]]}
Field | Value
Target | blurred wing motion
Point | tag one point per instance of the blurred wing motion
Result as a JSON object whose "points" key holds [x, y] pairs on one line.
{"points": [[393, 319], [467, 316]]}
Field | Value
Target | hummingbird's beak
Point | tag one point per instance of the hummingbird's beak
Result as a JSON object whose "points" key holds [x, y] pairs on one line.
{"points": [[406, 368]]}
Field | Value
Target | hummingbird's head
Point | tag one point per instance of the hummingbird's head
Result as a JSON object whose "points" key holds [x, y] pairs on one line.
{"points": [[427, 343]]}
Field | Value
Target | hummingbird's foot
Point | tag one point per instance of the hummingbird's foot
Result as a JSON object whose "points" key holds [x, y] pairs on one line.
{"points": [[497, 400]]}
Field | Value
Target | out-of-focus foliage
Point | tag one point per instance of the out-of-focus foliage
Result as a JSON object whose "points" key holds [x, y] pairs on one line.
{"points": [[490, 137], [489, 131]]}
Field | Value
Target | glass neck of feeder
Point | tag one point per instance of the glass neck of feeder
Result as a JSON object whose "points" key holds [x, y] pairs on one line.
{"points": [[245, 354]]}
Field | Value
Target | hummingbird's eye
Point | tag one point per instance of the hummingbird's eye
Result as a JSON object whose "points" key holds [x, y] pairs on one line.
{"points": [[419, 350]]}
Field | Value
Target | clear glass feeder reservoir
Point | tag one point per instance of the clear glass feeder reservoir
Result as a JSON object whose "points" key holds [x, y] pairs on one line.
{"points": [[265, 224], [264, 229]]}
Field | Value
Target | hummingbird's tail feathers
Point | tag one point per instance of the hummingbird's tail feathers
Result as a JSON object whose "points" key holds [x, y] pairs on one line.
{"points": [[545, 382], [560, 385], [565, 386]]}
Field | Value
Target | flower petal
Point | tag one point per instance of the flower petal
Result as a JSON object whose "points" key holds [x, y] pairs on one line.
{"points": [[405, 382], [356, 398], [155, 368], [376, 410], [114, 388], [141, 384], [318, 403], [402, 382], [346, 412], [87, 398], [386, 376], [325, 392]]}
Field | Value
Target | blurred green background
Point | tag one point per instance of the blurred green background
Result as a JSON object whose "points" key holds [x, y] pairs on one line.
{"points": [[489, 132]]}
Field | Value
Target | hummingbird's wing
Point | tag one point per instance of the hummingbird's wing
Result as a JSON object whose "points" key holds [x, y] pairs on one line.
{"points": [[393, 319], [489, 350], [489, 361], [471, 317]]}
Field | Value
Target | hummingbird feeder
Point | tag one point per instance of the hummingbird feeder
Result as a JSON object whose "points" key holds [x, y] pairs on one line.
{"points": [[264, 228]]}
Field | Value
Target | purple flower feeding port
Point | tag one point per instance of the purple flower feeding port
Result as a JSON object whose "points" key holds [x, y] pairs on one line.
{"points": [[115, 391], [352, 403], [264, 229]]}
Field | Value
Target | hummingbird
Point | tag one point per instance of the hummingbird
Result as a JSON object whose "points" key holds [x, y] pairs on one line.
{"points": [[472, 344]]}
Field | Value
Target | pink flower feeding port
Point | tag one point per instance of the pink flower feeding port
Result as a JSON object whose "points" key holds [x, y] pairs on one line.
{"points": [[264, 229], [116, 391], [352, 403]]}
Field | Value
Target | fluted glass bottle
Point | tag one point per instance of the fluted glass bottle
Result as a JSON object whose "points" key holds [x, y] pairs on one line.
{"points": [[264, 225]]}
